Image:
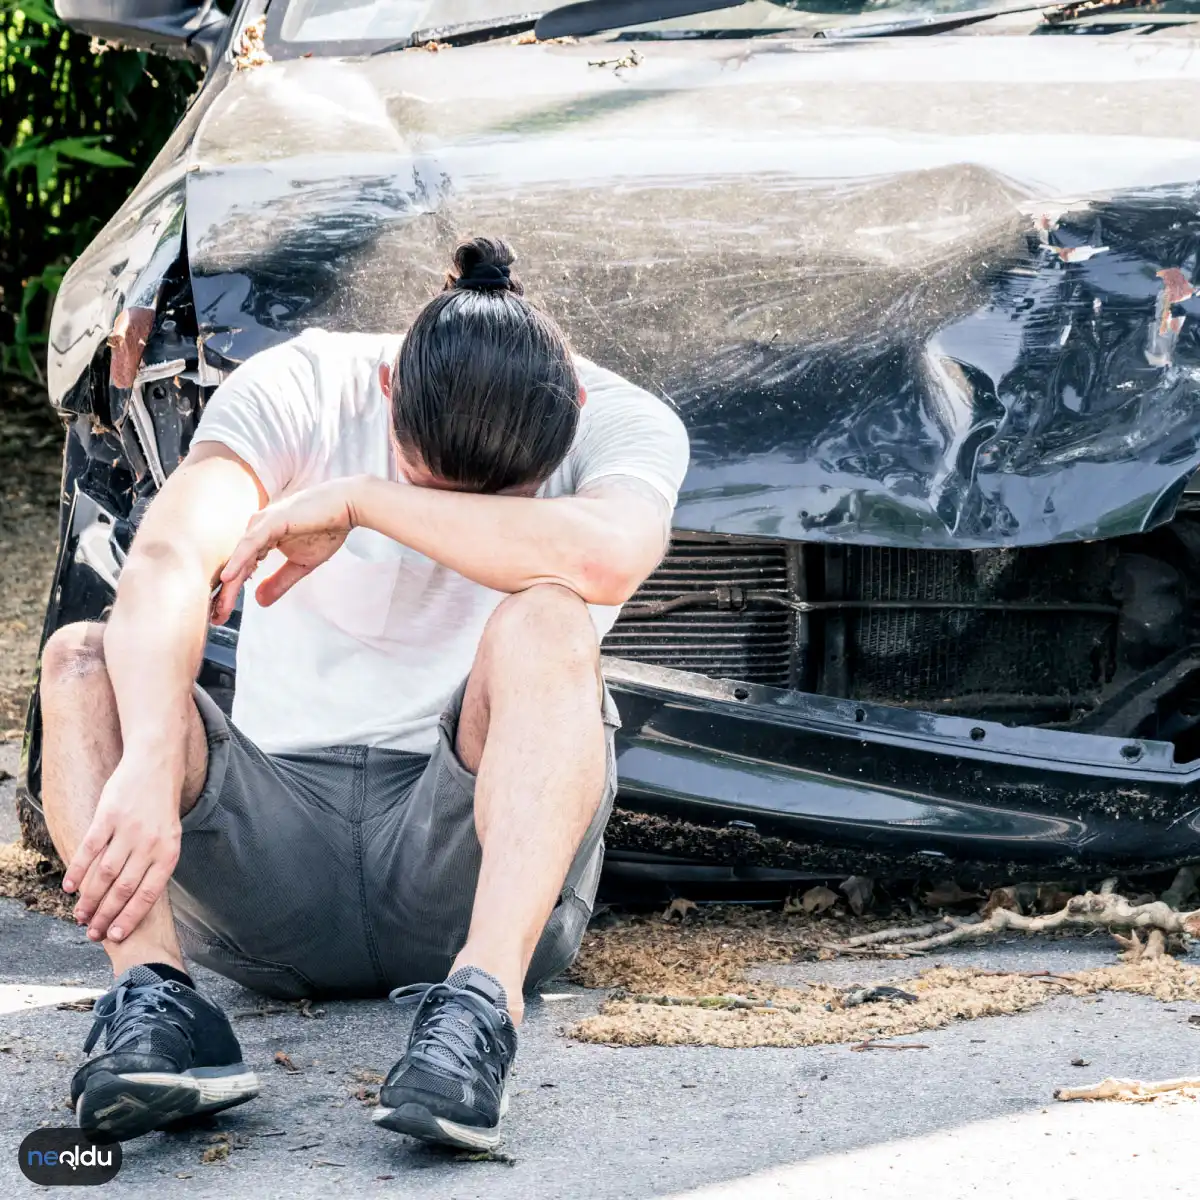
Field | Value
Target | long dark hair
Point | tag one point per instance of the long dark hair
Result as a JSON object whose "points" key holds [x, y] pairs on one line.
{"points": [[484, 392]]}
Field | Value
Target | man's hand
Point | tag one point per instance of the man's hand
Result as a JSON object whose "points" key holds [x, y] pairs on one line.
{"points": [[124, 862], [308, 528]]}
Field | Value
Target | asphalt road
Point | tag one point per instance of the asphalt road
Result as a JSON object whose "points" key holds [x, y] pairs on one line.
{"points": [[972, 1116]]}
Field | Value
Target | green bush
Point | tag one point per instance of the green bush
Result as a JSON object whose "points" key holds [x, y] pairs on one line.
{"points": [[78, 125]]}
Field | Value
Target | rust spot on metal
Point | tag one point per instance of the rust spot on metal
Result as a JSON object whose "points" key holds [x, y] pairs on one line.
{"points": [[1077, 253], [127, 341], [1176, 284], [1176, 289]]}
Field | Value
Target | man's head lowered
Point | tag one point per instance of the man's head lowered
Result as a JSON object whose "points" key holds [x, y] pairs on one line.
{"points": [[484, 393]]}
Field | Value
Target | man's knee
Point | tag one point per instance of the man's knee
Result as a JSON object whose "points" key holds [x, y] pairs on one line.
{"points": [[546, 621], [72, 657]]}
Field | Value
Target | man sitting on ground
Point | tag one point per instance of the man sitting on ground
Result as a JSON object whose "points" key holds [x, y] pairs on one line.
{"points": [[415, 783]]}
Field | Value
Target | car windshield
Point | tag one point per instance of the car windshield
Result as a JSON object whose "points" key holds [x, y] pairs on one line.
{"points": [[356, 26], [382, 20]]}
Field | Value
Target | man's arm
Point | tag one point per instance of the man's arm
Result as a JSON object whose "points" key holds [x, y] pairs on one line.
{"points": [[601, 543], [153, 645]]}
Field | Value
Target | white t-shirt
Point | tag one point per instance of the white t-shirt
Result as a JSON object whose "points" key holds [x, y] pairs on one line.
{"points": [[369, 648]]}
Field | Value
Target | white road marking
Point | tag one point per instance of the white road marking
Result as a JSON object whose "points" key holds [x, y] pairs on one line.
{"points": [[1098, 1151], [21, 997]]}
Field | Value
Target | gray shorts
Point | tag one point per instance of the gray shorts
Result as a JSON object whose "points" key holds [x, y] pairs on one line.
{"points": [[351, 870]]}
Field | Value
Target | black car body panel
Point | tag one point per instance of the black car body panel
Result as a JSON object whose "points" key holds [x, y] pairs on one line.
{"points": [[926, 308]]}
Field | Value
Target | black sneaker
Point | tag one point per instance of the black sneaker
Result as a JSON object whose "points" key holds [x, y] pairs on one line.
{"points": [[169, 1054], [450, 1086]]}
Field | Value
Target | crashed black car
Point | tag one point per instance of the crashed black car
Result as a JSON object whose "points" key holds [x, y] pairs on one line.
{"points": [[922, 282]]}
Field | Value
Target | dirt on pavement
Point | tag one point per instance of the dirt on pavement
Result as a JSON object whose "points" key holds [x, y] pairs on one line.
{"points": [[31, 440]]}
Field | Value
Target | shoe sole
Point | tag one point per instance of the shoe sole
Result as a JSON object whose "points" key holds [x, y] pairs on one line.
{"points": [[417, 1121], [128, 1105]]}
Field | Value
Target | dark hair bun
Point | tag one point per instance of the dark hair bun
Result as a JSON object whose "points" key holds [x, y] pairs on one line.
{"points": [[483, 264]]}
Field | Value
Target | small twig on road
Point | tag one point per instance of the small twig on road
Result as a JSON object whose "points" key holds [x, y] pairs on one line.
{"points": [[1134, 1090], [266, 1010], [1050, 976], [869, 1045], [873, 951], [632, 59], [912, 932], [1090, 911], [717, 1002]]}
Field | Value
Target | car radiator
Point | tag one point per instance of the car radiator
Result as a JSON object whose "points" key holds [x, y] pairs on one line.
{"points": [[1027, 634], [722, 634]]}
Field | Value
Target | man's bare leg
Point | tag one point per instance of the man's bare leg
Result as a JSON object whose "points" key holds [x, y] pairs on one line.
{"points": [[147, 1075], [81, 749], [531, 731]]}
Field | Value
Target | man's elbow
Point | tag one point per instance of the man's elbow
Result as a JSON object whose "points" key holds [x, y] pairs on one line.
{"points": [[610, 581]]}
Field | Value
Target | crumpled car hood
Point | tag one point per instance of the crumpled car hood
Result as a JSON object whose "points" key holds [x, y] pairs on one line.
{"points": [[927, 292]]}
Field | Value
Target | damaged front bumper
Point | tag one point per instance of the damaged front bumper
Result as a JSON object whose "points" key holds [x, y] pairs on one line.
{"points": [[784, 780]]}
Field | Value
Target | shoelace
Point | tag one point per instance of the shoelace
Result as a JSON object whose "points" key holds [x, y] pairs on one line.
{"points": [[119, 1013], [446, 1039]]}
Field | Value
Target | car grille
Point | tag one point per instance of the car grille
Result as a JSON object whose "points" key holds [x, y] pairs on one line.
{"points": [[939, 654], [751, 642], [1029, 632]]}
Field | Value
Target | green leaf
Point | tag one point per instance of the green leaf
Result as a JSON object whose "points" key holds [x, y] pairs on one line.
{"points": [[20, 155], [46, 163], [86, 150], [39, 12]]}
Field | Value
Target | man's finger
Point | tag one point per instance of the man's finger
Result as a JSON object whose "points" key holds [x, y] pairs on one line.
{"points": [[280, 582], [120, 892], [246, 554], [153, 884], [255, 545], [104, 869], [225, 601], [95, 840]]}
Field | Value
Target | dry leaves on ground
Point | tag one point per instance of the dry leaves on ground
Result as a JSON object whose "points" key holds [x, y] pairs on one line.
{"points": [[30, 877], [688, 985], [710, 950]]}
